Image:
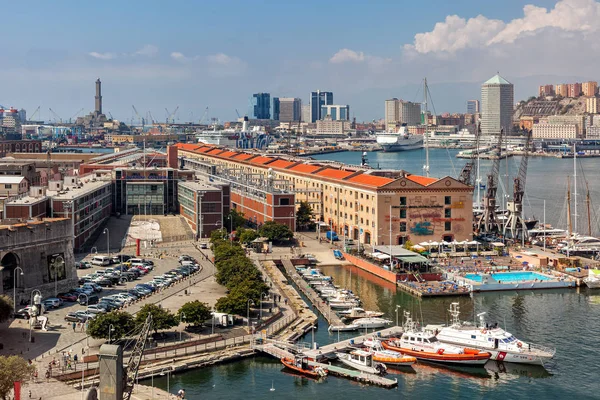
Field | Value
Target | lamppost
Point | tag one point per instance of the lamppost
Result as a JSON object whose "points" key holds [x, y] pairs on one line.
{"points": [[230, 229], [248, 313], [162, 373], [262, 296], [111, 328], [56, 274], [397, 307], [181, 318], [87, 304], [213, 322], [35, 302], [107, 233], [15, 288]]}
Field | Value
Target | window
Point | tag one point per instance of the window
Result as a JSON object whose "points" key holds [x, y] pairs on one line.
{"points": [[361, 208], [448, 226], [367, 197], [402, 213], [361, 196], [402, 226], [8, 186], [367, 209], [284, 202], [403, 201], [447, 200], [448, 213], [362, 221], [418, 339]]}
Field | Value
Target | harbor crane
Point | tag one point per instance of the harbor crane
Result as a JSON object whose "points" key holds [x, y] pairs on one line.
{"points": [[76, 114], [142, 121], [515, 227], [487, 222], [135, 359], [171, 115], [466, 175], [203, 116], [37, 110], [56, 116]]}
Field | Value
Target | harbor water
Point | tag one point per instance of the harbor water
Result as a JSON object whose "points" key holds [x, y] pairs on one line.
{"points": [[568, 320]]}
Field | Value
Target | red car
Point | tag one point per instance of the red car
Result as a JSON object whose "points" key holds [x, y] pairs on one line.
{"points": [[72, 297], [140, 268]]}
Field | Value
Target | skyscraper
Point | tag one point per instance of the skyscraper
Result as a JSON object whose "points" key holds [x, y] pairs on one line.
{"points": [[401, 112], [290, 109], [472, 106], [497, 99], [319, 99], [336, 112], [260, 106]]}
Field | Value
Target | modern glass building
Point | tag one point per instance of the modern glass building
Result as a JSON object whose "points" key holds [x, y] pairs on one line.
{"points": [[260, 106], [336, 112], [276, 108], [319, 99]]}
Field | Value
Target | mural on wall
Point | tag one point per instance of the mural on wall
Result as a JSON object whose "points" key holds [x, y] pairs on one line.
{"points": [[57, 267], [422, 228]]}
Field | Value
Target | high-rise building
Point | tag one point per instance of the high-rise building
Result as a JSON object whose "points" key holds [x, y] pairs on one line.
{"points": [[319, 99], [276, 108], [562, 89], [399, 112], [472, 107], [260, 106], [306, 113], [336, 112], [546, 90], [497, 99], [592, 105], [574, 89], [290, 109], [589, 89]]}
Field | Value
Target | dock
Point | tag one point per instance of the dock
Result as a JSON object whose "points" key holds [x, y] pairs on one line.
{"points": [[329, 314], [431, 289]]}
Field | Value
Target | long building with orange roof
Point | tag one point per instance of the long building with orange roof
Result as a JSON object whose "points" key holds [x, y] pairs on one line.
{"points": [[376, 207]]}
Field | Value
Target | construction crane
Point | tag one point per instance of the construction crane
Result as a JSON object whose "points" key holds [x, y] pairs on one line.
{"points": [[37, 110], [135, 359], [56, 116], [238, 114], [76, 114], [143, 122], [515, 226], [488, 222], [203, 116], [466, 175], [171, 115]]}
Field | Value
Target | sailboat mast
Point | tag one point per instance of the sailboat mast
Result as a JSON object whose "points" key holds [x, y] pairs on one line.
{"points": [[589, 217], [426, 122], [570, 228], [575, 186]]}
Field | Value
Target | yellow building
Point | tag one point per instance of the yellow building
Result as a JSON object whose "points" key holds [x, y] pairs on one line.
{"points": [[361, 203]]}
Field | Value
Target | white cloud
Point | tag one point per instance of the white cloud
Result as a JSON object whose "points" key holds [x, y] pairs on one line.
{"points": [[456, 33], [347, 55], [177, 56], [102, 56], [222, 65], [222, 59], [148, 50]]}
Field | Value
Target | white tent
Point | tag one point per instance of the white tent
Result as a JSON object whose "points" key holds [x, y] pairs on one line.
{"points": [[498, 244], [381, 256]]}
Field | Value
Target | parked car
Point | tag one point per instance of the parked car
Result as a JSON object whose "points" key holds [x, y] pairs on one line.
{"points": [[87, 290], [204, 245], [71, 297], [83, 265], [103, 282], [109, 305], [96, 309], [101, 260], [75, 317], [55, 301], [23, 313]]}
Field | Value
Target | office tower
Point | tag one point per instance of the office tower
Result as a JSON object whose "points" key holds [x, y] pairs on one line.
{"points": [[276, 108], [497, 99], [290, 109], [319, 99], [260, 106], [336, 112], [472, 106]]}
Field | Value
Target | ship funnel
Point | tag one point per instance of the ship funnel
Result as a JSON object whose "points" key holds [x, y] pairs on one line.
{"points": [[245, 124]]}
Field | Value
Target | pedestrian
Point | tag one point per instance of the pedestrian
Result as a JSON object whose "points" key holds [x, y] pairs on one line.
{"points": [[74, 326], [181, 394], [75, 358]]}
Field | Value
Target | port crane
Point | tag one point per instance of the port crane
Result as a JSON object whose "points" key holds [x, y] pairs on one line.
{"points": [[56, 116], [135, 359], [203, 116], [466, 175], [37, 110], [142, 121], [171, 115], [487, 221], [515, 227], [76, 114]]}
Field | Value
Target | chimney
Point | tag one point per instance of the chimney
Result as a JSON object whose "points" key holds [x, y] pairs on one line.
{"points": [[172, 153], [245, 124]]}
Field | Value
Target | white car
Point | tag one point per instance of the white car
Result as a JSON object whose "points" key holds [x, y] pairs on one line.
{"points": [[93, 309]]}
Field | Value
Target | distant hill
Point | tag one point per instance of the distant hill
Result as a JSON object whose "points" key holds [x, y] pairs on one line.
{"points": [[543, 107]]}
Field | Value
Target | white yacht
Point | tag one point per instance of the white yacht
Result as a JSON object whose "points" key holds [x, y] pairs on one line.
{"points": [[362, 361], [371, 323], [357, 312], [502, 345], [399, 141], [593, 279], [581, 244]]}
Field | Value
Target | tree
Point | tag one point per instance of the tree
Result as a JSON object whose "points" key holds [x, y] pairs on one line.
{"points": [[161, 317], [217, 235], [6, 308], [237, 217], [248, 235], [408, 245], [194, 312], [275, 232], [226, 251], [13, 368], [304, 215], [122, 322]]}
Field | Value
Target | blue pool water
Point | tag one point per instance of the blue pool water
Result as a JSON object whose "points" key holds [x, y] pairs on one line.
{"points": [[511, 277]]}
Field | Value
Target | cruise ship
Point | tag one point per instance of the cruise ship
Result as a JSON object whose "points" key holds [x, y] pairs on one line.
{"points": [[254, 138], [399, 141]]}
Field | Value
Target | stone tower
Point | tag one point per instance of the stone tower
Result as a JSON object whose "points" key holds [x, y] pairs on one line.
{"points": [[98, 109]]}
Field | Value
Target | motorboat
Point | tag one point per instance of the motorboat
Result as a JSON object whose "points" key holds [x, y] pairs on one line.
{"points": [[371, 322], [343, 301], [502, 345], [362, 361], [593, 279], [357, 312], [388, 357], [343, 328], [301, 366], [425, 346]]}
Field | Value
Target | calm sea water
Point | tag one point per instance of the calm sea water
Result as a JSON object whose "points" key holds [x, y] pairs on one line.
{"points": [[568, 320]]}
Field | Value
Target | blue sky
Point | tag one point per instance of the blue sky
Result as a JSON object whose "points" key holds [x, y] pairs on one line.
{"points": [[198, 54]]}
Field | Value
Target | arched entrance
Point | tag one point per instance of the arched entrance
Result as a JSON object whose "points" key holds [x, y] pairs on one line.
{"points": [[9, 262]]}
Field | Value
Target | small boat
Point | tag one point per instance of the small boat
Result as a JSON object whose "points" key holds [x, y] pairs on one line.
{"points": [[372, 323], [357, 312], [343, 328], [593, 279], [300, 365], [425, 346], [362, 361], [388, 357]]}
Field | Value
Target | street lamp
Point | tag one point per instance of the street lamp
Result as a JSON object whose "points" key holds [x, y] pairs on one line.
{"points": [[56, 274], [397, 307], [213, 321], [111, 328], [248, 313], [162, 373], [181, 318], [262, 296], [35, 301], [87, 304], [230, 228], [15, 288], [107, 233]]}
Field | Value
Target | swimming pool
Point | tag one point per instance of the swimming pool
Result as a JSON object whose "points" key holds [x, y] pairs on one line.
{"points": [[511, 277]]}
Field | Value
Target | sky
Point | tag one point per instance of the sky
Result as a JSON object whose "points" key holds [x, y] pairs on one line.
{"points": [[198, 54]]}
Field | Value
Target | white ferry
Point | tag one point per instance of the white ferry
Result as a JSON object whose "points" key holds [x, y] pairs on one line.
{"points": [[399, 141]]}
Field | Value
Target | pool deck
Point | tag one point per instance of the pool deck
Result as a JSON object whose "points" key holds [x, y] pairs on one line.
{"points": [[489, 284]]}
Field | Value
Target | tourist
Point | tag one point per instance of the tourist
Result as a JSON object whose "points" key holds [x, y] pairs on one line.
{"points": [[181, 394], [74, 326]]}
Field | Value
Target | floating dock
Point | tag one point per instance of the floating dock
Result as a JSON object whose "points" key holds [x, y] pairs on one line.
{"points": [[431, 289]]}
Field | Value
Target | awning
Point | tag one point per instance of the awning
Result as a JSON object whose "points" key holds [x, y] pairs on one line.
{"points": [[413, 259], [381, 256], [498, 244]]}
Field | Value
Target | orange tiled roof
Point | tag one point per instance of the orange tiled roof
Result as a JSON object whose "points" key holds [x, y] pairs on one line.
{"points": [[205, 149], [244, 156], [335, 173], [370, 180], [262, 160], [281, 164], [421, 180], [306, 168], [187, 146], [229, 154], [215, 152]]}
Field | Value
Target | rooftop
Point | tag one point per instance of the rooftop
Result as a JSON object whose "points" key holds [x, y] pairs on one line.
{"points": [[89, 184], [198, 185], [10, 179], [497, 80]]}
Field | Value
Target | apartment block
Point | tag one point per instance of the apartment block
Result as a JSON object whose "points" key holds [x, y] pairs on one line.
{"points": [[546, 90], [562, 89], [545, 130], [590, 88], [592, 105], [574, 90]]}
